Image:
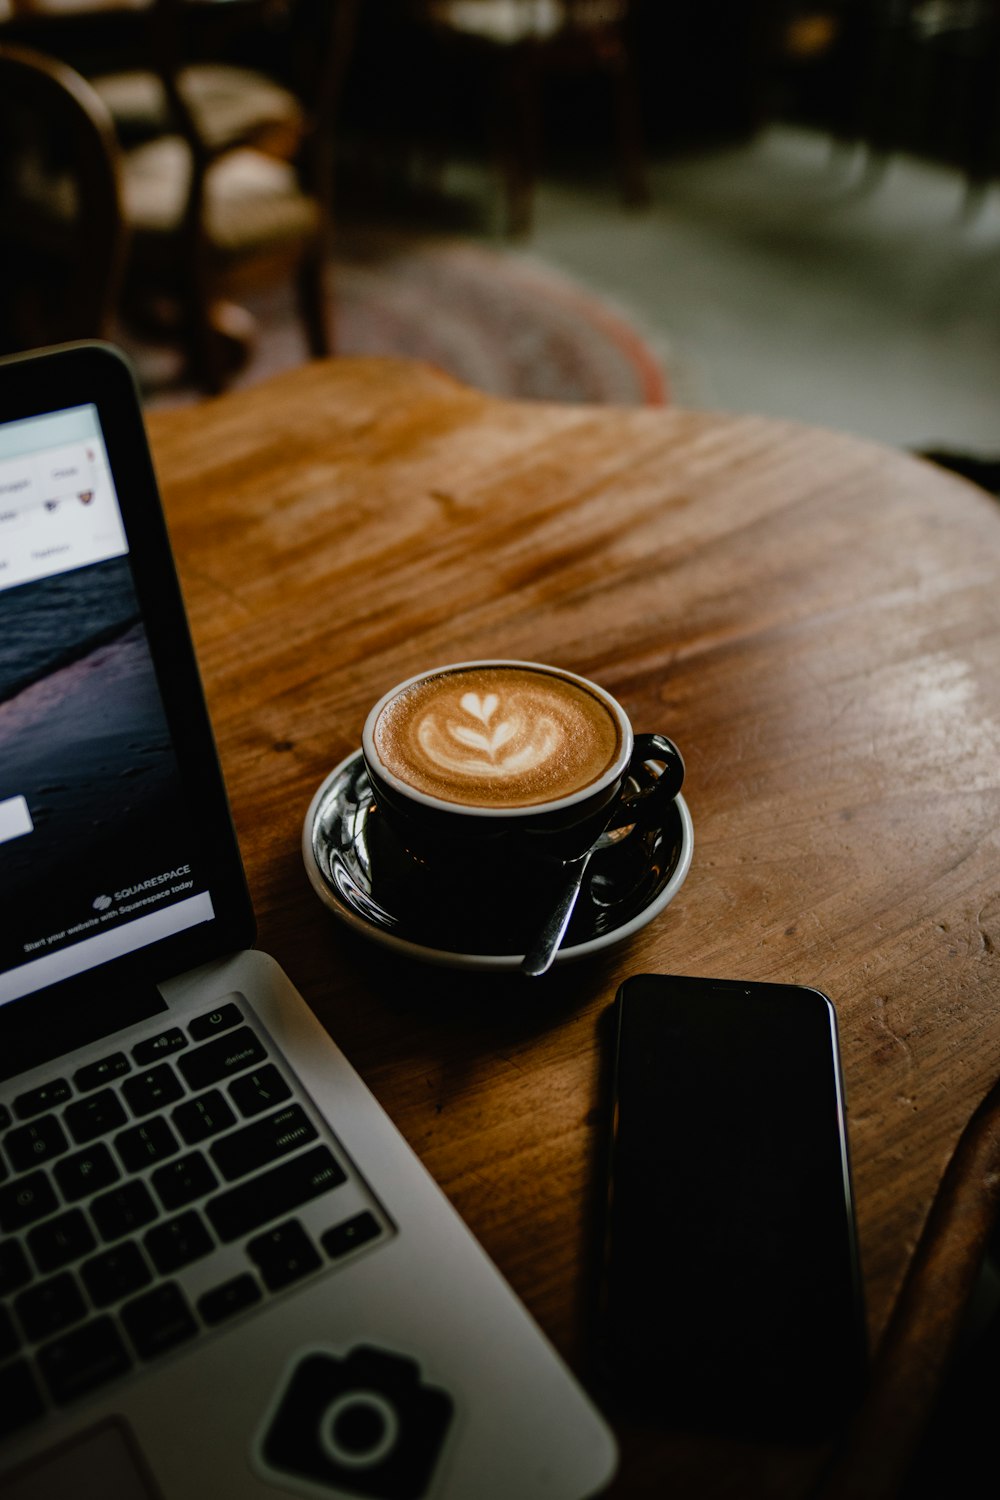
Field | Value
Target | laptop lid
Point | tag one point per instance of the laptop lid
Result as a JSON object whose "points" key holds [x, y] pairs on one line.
{"points": [[119, 865]]}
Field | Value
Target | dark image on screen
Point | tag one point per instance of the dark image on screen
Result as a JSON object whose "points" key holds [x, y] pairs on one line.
{"points": [[84, 741]]}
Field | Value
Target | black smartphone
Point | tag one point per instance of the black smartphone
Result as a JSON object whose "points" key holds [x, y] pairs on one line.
{"points": [[731, 1294]]}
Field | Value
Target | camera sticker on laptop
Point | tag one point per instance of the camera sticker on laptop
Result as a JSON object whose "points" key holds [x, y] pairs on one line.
{"points": [[361, 1424]]}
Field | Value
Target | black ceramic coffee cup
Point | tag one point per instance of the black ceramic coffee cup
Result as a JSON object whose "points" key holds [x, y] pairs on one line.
{"points": [[476, 827]]}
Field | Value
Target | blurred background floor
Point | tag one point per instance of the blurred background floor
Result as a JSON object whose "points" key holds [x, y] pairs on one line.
{"points": [[772, 278], [767, 276], [768, 271]]}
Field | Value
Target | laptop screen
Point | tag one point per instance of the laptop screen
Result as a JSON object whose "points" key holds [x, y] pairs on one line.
{"points": [[97, 857]]}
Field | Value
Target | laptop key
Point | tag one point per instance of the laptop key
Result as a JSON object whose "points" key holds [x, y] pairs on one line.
{"points": [[50, 1306], [182, 1181], [232, 1053], [37, 1101], [15, 1271], [230, 1298], [203, 1117], [342, 1238], [215, 1021], [90, 1118], [20, 1399], [152, 1089], [29, 1145], [82, 1360], [115, 1273], [145, 1144], [283, 1255], [263, 1142], [260, 1090], [158, 1320], [274, 1193], [10, 1339], [123, 1210], [177, 1242], [95, 1075], [86, 1172], [26, 1200], [58, 1241], [155, 1047]]}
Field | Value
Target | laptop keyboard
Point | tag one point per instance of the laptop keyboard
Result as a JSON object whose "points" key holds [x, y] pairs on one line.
{"points": [[154, 1194]]}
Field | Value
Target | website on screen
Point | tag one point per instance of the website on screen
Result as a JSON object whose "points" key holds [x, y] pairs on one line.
{"points": [[97, 856]]}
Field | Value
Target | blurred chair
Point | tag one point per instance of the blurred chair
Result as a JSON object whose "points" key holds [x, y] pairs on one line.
{"points": [[525, 38], [204, 217], [61, 223], [921, 76], [107, 41], [229, 102], [210, 210]]}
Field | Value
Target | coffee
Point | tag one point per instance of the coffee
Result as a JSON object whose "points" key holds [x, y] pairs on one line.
{"points": [[497, 736]]}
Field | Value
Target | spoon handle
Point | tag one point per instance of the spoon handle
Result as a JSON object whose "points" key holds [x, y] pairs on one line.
{"points": [[545, 946]]}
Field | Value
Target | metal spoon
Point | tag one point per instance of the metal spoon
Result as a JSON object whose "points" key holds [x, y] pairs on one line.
{"points": [[649, 791], [546, 944]]}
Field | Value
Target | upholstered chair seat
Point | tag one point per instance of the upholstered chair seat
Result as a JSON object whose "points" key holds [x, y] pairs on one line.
{"points": [[252, 202], [507, 22], [229, 105], [216, 176]]}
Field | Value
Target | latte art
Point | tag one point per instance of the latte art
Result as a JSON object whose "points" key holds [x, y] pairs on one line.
{"points": [[497, 736], [509, 743]]}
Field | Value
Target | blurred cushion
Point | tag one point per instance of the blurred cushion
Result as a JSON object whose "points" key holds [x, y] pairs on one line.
{"points": [[502, 21], [508, 21], [253, 201], [229, 104]]}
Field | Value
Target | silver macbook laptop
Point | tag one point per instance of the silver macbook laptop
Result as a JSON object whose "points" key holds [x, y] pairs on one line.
{"points": [[222, 1271]]}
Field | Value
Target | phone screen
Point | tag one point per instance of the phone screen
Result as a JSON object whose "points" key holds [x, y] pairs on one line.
{"points": [[732, 1292]]}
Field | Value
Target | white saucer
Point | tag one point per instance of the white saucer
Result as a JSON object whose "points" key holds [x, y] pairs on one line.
{"points": [[624, 888]]}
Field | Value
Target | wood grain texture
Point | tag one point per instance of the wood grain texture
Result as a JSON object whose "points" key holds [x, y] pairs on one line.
{"points": [[814, 619]]}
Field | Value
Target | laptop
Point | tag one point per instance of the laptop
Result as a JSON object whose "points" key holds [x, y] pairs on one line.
{"points": [[223, 1273]]}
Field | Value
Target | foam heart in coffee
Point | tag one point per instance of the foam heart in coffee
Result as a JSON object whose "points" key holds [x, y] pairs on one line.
{"points": [[497, 736]]}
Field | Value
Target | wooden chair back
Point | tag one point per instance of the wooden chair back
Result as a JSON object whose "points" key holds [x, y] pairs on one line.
{"points": [[525, 38], [61, 220], [314, 49]]}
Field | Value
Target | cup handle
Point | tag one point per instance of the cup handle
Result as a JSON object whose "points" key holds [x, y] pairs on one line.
{"points": [[647, 791]]}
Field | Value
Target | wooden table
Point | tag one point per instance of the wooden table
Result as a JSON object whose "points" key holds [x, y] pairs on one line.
{"points": [[815, 620]]}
